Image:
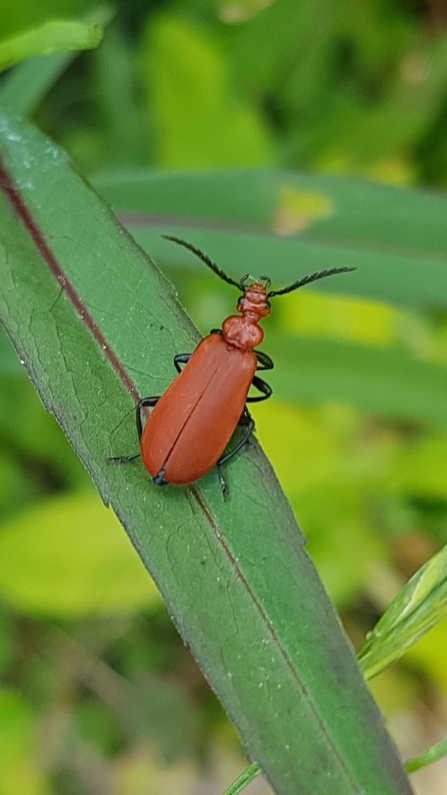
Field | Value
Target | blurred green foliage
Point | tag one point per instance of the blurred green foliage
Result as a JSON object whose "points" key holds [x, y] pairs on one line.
{"points": [[85, 645]]}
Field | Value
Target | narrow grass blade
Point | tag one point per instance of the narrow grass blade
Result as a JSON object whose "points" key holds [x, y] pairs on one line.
{"points": [[419, 606]]}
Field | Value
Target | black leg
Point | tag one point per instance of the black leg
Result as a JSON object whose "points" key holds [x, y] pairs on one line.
{"points": [[265, 362], [181, 358], [159, 479], [148, 401], [222, 481], [263, 387], [143, 403], [124, 459], [247, 421]]}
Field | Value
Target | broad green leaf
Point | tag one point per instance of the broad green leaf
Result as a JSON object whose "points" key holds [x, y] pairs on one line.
{"points": [[17, 16], [418, 607], [388, 381], [59, 35], [97, 325], [245, 197], [69, 558], [395, 237], [25, 86]]}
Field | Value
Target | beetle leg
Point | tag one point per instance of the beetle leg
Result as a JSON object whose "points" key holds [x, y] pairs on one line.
{"points": [[244, 420], [249, 422], [265, 362], [222, 481], [143, 403], [124, 459], [181, 358], [263, 387], [159, 479]]}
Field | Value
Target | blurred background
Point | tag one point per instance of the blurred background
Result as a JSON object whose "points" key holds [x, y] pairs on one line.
{"points": [[98, 694]]}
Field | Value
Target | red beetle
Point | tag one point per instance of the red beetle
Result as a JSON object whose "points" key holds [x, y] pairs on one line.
{"points": [[193, 421]]}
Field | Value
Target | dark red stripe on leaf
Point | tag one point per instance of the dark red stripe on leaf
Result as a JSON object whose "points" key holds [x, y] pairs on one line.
{"points": [[21, 211]]}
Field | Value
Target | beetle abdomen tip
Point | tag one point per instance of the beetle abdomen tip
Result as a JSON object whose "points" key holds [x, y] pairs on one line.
{"points": [[159, 479]]}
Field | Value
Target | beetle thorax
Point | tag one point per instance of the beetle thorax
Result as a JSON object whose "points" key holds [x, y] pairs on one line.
{"points": [[245, 332], [242, 332]]}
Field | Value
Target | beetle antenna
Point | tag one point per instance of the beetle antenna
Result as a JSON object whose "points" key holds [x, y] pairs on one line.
{"points": [[204, 259], [308, 279]]}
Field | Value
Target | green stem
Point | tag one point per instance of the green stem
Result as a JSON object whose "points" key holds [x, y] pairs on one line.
{"points": [[248, 775], [427, 757]]}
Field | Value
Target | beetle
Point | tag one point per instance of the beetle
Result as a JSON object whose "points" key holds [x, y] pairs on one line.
{"points": [[191, 424]]}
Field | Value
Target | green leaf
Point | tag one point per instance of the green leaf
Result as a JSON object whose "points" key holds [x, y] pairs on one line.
{"points": [[388, 381], [69, 558], [242, 197], [25, 86], [53, 36], [97, 325], [419, 606], [396, 238]]}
